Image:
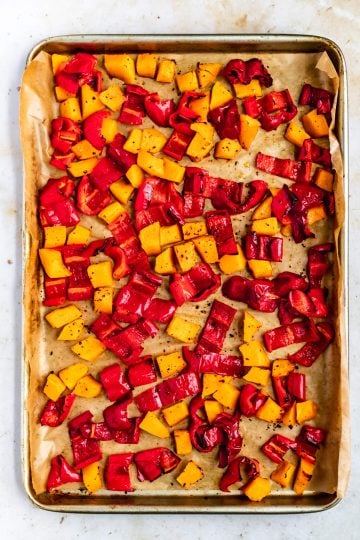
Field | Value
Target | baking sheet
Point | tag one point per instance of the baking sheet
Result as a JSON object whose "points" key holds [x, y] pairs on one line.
{"points": [[37, 109]]}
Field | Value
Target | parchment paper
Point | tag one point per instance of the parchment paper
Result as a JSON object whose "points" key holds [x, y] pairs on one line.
{"points": [[327, 379]]}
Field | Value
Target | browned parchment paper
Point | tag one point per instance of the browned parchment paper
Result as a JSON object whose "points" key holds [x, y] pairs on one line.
{"points": [[327, 379]]}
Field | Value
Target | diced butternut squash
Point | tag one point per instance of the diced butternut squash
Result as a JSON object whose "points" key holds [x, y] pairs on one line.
{"points": [[212, 382], [205, 129], [190, 475], [90, 101], [170, 364], [183, 444], [164, 262], [53, 264], [176, 413], [151, 424], [229, 264], [303, 476], [71, 109], [263, 211], [170, 234], [260, 269], [111, 212], [260, 376], [191, 229], [324, 179], [207, 73], [289, 416], [269, 226], [270, 411], [187, 82], [58, 60], [61, 94], [135, 175], [113, 97], [305, 411], [182, 329], [251, 326], [212, 409], [257, 489], [152, 165], [61, 316], [284, 473], [248, 130], [122, 191], [219, 95], [82, 167], [286, 230], [186, 255], [315, 124], [316, 213], [109, 129], [100, 274], [85, 150], [166, 71], [254, 354], [282, 367], [150, 238], [146, 64], [199, 147], [89, 348], [206, 247], [72, 330], [253, 88], [55, 236], [79, 235], [133, 142], [296, 134], [121, 66], [103, 300], [54, 387], [227, 149], [72, 374], [152, 140], [201, 106], [92, 478], [227, 395], [87, 387], [173, 171]]}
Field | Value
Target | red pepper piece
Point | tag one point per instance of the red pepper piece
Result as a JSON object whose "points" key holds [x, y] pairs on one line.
{"points": [[272, 110], [197, 181], [121, 157], [155, 462], [142, 373], [99, 431], [296, 385], [92, 129], [301, 303], [168, 392], [79, 284], [297, 171], [210, 362], [89, 199], [182, 118], [133, 111], [61, 473], [117, 476], [244, 71], [232, 474], [229, 426], [55, 412], [251, 399], [316, 97], [130, 435], [116, 417], [298, 332], [158, 110], [177, 144], [125, 236], [195, 285], [85, 450], [219, 225], [257, 190], [317, 296], [55, 291], [117, 254], [281, 205], [149, 400], [64, 134], [286, 314], [312, 152], [277, 446], [76, 72], [308, 442], [307, 355], [56, 207], [226, 120], [62, 162], [283, 396], [135, 297], [114, 382], [204, 437], [216, 327], [160, 310], [193, 205], [317, 263], [263, 247], [288, 281], [257, 293], [104, 173]]}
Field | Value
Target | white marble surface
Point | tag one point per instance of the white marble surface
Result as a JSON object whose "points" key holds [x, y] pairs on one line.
{"points": [[22, 24]]}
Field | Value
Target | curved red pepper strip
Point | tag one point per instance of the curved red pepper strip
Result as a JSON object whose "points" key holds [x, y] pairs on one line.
{"points": [[307, 355], [232, 474], [226, 120], [244, 71], [297, 332], [158, 110], [283, 396], [277, 446], [203, 436], [55, 412], [316, 97], [154, 462], [250, 400], [61, 473]]}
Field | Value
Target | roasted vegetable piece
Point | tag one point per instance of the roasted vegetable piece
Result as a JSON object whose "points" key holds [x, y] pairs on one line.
{"points": [[316, 97], [251, 399], [245, 71], [297, 171], [216, 327], [257, 293], [307, 355], [232, 474], [55, 412], [85, 450], [277, 446], [283, 336], [117, 476], [61, 473], [168, 392], [154, 462], [114, 382], [271, 110]]}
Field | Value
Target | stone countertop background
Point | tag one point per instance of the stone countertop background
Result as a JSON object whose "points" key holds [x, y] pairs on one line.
{"points": [[22, 25]]}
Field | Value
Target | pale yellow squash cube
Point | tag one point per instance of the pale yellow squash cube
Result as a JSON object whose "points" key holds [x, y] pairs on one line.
{"points": [[269, 226], [55, 236], [100, 274], [152, 140], [183, 444], [207, 73], [251, 326], [92, 478], [58, 60], [60, 316], [190, 475], [103, 300], [151, 424], [121, 66], [111, 212], [176, 413], [113, 97], [135, 175], [227, 395], [87, 387], [72, 374], [219, 95], [183, 330], [146, 64], [121, 190], [85, 150], [186, 255], [53, 263], [150, 239], [253, 88], [89, 348], [166, 71], [187, 82], [109, 129], [54, 387], [254, 354], [227, 149], [170, 364], [173, 171], [79, 235], [80, 168], [70, 108], [72, 330], [152, 165], [90, 101]]}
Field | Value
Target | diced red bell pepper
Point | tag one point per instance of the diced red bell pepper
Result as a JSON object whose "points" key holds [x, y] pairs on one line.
{"points": [[89, 199], [313, 153], [259, 294], [316, 97], [92, 129], [301, 303], [105, 173], [228, 425], [155, 462], [160, 310], [219, 224], [251, 399], [226, 120], [117, 476], [296, 385], [317, 296], [116, 416], [317, 265], [285, 313], [298, 332], [244, 71], [79, 284], [99, 431], [56, 207], [288, 281], [307, 355], [193, 205], [271, 110], [135, 297], [263, 247], [55, 412], [216, 327], [277, 446], [61, 161], [283, 396], [148, 400], [195, 285], [256, 192], [85, 450], [281, 205], [64, 134], [121, 157], [125, 236], [130, 435], [182, 118], [177, 144], [204, 437], [142, 373], [297, 171], [308, 442], [232, 474], [210, 362], [133, 110], [158, 110], [79, 70], [117, 254], [55, 291], [168, 392], [114, 382], [61, 473]]}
